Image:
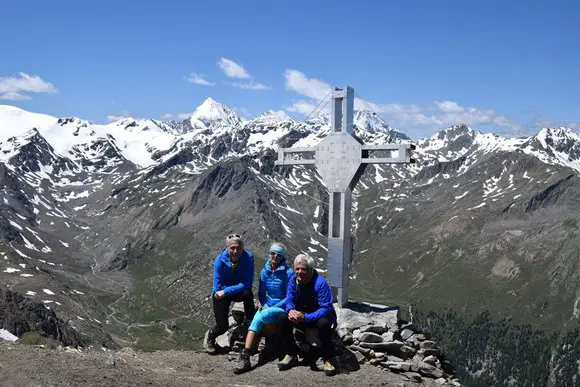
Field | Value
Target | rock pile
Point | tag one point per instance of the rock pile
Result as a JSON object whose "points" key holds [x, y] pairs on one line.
{"points": [[372, 334], [376, 334]]}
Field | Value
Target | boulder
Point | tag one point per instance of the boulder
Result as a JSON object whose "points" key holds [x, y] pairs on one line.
{"points": [[362, 315], [370, 337], [384, 346]]}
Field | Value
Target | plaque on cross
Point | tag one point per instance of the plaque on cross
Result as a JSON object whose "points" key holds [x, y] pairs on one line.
{"points": [[340, 159]]}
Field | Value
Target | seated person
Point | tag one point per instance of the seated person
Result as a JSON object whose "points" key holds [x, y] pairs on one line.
{"points": [[272, 294], [308, 305], [233, 275]]}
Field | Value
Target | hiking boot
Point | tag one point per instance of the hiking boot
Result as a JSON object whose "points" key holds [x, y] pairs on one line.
{"points": [[288, 362], [244, 364], [209, 343], [329, 367]]}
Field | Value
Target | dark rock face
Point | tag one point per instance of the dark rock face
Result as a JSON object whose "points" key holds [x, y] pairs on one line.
{"points": [[19, 315]]}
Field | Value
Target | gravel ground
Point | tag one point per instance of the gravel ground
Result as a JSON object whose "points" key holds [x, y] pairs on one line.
{"points": [[22, 365]]}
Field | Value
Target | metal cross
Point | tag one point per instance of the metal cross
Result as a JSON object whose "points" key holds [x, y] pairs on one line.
{"points": [[341, 159]]}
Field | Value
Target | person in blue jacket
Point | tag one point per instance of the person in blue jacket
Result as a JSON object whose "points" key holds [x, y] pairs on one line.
{"points": [[308, 305], [233, 274], [272, 295]]}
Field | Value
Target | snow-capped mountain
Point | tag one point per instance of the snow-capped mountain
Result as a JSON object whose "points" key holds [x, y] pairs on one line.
{"points": [[212, 114], [82, 203]]}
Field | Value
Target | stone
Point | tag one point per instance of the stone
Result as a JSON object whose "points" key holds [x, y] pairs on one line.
{"points": [[427, 344], [373, 328], [356, 334], [406, 352], [370, 337], [432, 352], [394, 358], [422, 336], [384, 346], [343, 332], [430, 360], [414, 376], [362, 314], [440, 381], [365, 351], [375, 362], [429, 370], [379, 355], [388, 336], [419, 356], [396, 366], [406, 334], [360, 358], [347, 340]]}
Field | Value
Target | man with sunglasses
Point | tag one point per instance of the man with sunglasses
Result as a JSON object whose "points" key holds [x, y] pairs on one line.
{"points": [[233, 275]]}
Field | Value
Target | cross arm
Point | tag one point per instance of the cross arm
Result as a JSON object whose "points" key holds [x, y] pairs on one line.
{"points": [[295, 156], [403, 154]]}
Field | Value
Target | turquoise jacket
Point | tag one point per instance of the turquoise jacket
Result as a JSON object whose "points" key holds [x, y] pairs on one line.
{"points": [[273, 285]]}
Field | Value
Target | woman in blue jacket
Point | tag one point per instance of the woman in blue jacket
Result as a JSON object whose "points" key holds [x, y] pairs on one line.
{"points": [[272, 294]]}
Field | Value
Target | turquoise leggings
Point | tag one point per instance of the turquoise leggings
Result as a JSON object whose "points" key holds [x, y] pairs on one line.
{"points": [[267, 316]]}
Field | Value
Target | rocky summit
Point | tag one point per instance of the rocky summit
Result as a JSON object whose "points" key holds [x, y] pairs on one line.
{"points": [[108, 232]]}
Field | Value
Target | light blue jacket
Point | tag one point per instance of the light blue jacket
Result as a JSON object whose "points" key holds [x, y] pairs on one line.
{"points": [[273, 285]]}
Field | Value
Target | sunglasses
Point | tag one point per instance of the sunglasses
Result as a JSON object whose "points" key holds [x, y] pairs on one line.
{"points": [[234, 236]]}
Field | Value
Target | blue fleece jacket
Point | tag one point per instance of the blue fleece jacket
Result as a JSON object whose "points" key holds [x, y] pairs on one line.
{"points": [[233, 281], [313, 299], [273, 284]]}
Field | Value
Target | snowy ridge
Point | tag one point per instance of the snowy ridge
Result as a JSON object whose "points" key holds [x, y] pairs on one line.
{"points": [[215, 130]]}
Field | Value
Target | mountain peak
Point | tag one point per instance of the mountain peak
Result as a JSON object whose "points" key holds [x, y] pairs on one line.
{"points": [[272, 117], [211, 111]]}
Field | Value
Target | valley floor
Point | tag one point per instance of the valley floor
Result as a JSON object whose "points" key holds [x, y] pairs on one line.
{"points": [[22, 365]]}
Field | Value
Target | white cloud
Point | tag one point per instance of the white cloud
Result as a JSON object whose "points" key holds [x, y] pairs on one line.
{"points": [[547, 123], [300, 83], [179, 116], [15, 88], [242, 111], [406, 117], [302, 107], [449, 106], [232, 69], [251, 86], [198, 79], [124, 114], [15, 96]]}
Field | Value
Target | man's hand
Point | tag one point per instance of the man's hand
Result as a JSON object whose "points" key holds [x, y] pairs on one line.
{"points": [[219, 294], [295, 316]]}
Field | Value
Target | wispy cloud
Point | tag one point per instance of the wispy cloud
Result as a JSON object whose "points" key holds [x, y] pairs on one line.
{"points": [[198, 79], [251, 86], [113, 117], [17, 88], [232, 69], [409, 117], [302, 107], [179, 116], [547, 123]]}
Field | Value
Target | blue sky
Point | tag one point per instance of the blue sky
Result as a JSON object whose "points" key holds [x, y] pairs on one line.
{"points": [[508, 67]]}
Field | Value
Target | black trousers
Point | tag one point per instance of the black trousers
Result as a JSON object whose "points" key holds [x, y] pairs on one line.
{"points": [[325, 331], [221, 310]]}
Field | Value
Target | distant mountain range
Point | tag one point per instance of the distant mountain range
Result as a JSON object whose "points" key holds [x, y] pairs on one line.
{"points": [[115, 227]]}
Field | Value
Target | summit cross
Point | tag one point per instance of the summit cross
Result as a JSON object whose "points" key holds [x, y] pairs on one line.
{"points": [[340, 159]]}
